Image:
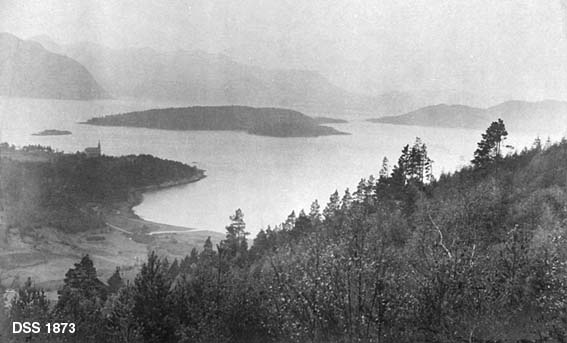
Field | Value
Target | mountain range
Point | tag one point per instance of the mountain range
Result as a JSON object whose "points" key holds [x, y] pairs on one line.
{"points": [[42, 68], [540, 117], [27, 69], [197, 77]]}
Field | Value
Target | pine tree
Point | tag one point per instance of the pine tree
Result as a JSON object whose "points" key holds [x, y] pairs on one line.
{"points": [[192, 258], [536, 145], [29, 305], [420, 165], [332, 207], [414, 165], [152, 305], [81, 300], [289, 222], [489, 148], [315, 212], [120, 320], [259, 246], [403, 168], [547, 143], [303, 225], [208, 245], [207, 255], [174, 270], [385, 170], [83, 277], [115, 282], [346, 201], [235, 246]]}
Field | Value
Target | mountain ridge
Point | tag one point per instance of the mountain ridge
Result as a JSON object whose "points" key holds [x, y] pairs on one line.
{"points": [[27, 69], [202, 78], [538, 116]]}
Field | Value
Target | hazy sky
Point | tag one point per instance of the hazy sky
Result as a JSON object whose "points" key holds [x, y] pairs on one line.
{"points": [[483, 46]]}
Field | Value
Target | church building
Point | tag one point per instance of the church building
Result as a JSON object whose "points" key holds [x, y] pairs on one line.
{"points": [[93, 152]]}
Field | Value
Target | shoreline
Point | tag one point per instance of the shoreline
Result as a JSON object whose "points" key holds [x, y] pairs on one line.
{"points": [[136, 196], [122, 215], [44, 253]]}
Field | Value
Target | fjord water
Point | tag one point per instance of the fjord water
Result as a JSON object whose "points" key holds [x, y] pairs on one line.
{"points": [[266, 177]]}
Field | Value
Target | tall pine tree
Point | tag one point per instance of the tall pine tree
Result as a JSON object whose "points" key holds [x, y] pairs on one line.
{"points": [[489, 148]]}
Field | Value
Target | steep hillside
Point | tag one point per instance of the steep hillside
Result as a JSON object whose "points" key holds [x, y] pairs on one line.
{"points": [[29, 70], [197, 77]]}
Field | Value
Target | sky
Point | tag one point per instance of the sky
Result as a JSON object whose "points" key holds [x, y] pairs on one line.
{"points": [[516, 48]]}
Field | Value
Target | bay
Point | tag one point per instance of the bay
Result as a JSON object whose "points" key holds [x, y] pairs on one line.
{"points": [[266, 177]]}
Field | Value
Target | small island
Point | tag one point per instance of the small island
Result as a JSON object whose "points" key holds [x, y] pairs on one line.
{"points": [[52, 132], [274, 122]]}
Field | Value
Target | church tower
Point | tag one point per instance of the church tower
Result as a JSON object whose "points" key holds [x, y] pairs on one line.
{"points": [[93, 152]]}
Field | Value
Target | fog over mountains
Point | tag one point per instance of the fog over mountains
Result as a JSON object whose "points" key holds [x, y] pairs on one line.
{"points": [[198, 77], [29, 70], [42, 68], [475, 53]]}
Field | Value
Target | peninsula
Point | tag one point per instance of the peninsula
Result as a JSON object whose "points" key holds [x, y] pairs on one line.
{"points": [[546, 116], [275, 122], [55, 207]]}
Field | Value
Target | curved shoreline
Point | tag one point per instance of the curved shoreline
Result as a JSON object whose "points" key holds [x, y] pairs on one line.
{"points": [[136, 196], [122, 215]]}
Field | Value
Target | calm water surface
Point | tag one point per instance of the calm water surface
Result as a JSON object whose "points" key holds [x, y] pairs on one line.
{"points": [[264, 176]]}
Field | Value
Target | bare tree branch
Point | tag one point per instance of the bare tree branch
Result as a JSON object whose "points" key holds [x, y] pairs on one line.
{"points": [[440, 237], [472, 255]]}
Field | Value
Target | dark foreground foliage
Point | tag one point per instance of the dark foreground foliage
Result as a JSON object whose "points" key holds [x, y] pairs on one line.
{"points": [[477, 256]]}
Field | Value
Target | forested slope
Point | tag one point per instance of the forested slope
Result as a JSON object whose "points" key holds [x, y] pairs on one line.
{"points": [[476, 256], [63, 190]]}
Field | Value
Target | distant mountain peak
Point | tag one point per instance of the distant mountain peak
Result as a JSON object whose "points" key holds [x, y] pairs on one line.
{"points": [[30, 70], [546, 116], [451, 106], [199, 77], [7, 35]]}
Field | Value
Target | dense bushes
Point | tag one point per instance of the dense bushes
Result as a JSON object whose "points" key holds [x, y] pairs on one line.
{"points": [[477, 256]]}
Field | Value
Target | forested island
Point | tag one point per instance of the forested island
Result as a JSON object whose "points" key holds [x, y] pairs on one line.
{"points": [[327, 120], [52, 132], [475, 256], [273, 122]]}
